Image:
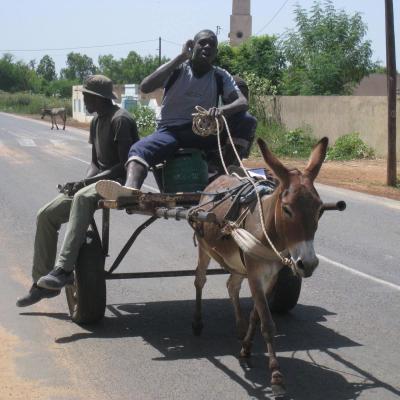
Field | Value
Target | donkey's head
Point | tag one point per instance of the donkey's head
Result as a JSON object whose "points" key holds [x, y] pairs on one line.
{"points": [[298, 207], [44, 112]]}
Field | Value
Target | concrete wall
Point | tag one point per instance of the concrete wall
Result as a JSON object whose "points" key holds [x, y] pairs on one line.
{"points": [[334, 116]]}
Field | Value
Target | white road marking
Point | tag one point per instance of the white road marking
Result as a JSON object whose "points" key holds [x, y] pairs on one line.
{"points": [[359, 273], [56, 142], [26, 142], [78, 159]]}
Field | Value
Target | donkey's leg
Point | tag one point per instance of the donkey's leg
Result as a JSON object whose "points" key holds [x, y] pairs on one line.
{"points": [[199, 282], [52, 122], [234, 284], [247, 341], [268, 330], [55, 121], [64, 118]]}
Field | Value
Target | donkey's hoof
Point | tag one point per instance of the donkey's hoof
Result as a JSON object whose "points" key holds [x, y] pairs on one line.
{"points": [[277, 384], [245, 353], [278, 390], [197, 328]]}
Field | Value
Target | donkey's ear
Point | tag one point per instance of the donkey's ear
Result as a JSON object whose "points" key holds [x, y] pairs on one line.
{"points": [[317, 157], [277, 167]]}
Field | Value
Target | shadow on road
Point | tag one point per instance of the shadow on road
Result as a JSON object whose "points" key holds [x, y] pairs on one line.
{"points": [[167, 327]]}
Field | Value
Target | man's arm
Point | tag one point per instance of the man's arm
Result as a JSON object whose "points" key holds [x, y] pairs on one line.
{"points": [[236, 102], [116, 171], [158, 77]]}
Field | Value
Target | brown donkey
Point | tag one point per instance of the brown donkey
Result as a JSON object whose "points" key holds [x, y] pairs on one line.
{"points": [[290, 216]]}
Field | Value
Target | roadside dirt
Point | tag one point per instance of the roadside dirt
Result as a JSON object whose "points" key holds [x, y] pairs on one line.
{"points": [[368, 176]]}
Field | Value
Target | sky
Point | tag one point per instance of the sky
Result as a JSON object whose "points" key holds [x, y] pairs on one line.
{"points": [[30, 29]]}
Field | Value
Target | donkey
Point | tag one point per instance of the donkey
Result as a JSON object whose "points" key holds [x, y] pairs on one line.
{"points": [[54, 112], [290, 216]]}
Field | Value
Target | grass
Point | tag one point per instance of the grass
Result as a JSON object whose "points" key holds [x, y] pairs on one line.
{"points": [[27, 103]]}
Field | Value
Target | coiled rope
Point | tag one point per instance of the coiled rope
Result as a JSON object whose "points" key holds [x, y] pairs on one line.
{"points": [[205, 125]]}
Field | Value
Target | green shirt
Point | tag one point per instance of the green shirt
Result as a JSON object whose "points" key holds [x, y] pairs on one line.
{"points": [[106, 131]]}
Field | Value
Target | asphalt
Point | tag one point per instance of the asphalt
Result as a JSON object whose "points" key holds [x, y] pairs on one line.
{"points": [[340, 341]]}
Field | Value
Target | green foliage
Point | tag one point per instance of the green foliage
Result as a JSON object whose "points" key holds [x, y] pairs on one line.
{"points": [[59, 88], [259, 55], [110, 67], [262, 97], [17, 76], [226, 57], [145, 119], [296, 143], [132, 69], [78, 67], [327, 54], [26, 103], [46, 69], [349, 147]]}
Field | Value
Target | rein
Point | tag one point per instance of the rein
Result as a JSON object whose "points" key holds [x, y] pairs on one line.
{"points": [[204, 125]]}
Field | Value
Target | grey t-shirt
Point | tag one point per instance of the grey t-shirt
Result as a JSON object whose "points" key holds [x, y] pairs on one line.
{"points": [[106, 130], [188, 91]]}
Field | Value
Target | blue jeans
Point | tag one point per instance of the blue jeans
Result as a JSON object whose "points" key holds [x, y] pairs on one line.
{"points": [[166, 140]]}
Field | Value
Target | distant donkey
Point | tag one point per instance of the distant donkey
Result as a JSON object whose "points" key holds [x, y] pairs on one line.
{"points": [[53, 112]]}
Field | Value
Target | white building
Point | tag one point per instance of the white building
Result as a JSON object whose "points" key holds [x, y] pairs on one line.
{"points": [[128, 96]]}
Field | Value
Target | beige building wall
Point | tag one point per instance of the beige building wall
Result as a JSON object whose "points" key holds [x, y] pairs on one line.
{"points": [[334, 116]]}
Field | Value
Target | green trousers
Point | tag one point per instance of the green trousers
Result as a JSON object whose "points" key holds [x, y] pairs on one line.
{"points": [[78, 212]]}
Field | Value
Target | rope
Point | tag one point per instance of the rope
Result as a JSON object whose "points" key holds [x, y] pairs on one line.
{"points": [[205, 125]]}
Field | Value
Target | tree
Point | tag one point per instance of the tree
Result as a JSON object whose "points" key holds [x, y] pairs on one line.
{"points": [[258, 55], [261, 56], [226, 57], [79, 67], [135, 68], [111, 68], [327, 54], [17, 76], [47, 69]]}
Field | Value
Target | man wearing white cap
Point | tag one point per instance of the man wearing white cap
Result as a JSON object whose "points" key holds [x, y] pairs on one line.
{"points": [[112, 132]]}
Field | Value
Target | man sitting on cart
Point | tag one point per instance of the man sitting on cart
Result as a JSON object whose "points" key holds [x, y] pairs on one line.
{"points": [[189, 80], [112, 133]]}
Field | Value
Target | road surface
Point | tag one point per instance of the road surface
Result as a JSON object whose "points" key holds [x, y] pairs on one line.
{"points": [[340, 342]]}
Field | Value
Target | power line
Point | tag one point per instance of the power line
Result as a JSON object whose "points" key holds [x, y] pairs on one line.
{"points": [[274, 16], [169, 41], [81, 47]]}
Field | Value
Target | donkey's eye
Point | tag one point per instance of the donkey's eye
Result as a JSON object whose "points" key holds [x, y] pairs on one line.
{"points": [[287, 211]]}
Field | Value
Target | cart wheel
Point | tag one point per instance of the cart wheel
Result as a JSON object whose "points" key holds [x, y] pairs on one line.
{"points": [[286, 292], [87, 296]]}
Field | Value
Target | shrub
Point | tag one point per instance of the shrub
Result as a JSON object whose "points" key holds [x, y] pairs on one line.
{"points": [[27, 103], [350, 147], [145, 119], [296, 143], [262, 102]]}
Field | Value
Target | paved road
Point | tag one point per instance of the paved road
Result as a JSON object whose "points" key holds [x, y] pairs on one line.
{"points": [[340, 342]]}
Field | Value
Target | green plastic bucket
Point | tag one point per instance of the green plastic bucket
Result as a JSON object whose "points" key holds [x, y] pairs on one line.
{"points": [[186, 172]]}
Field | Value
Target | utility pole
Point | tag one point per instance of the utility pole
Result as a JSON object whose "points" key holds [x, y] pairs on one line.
{"points": [[218, 30], [391, 176], [159, 51]]}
